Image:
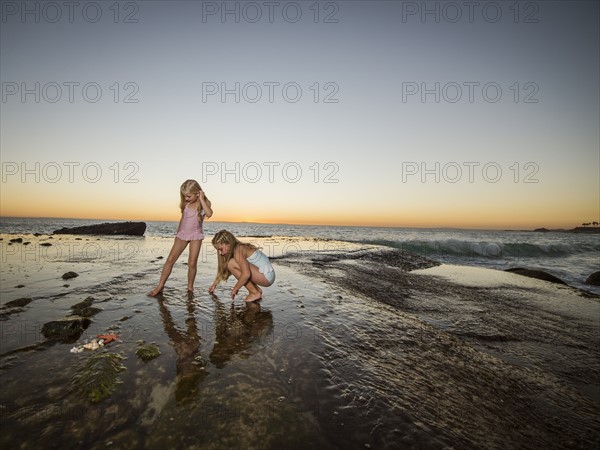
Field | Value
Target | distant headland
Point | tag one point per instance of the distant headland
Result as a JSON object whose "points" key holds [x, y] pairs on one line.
{"points": [[582, 229]]}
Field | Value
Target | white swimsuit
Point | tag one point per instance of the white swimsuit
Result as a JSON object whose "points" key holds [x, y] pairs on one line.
{"points": [[261, 261]]}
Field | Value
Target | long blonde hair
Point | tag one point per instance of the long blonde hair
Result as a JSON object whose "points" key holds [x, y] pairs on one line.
{"points": [[225, 237], [191, 187]]}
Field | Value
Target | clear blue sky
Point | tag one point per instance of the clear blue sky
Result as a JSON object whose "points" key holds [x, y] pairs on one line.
{"points": [[353, 112]]}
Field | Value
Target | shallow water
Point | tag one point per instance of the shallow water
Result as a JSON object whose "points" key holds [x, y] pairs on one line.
{"points": [[317, 365], [572, 257]]}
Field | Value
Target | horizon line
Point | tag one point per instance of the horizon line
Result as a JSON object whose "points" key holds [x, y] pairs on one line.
{"points": [[308, 224]]}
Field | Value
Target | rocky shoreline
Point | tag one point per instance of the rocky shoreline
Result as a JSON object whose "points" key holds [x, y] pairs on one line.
{"points": [[545, 333], [589, 230], [107, 228], [350, 348]]}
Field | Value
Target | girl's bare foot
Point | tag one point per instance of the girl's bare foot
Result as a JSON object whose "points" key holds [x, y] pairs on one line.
{"points": [[154, 292], [253, 297]]}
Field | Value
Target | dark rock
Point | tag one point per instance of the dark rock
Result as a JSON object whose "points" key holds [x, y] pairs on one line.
{"points": [[85, 309], [539, 274], [118, 228], [17, 240], [45, 244], [88, 312], [84, 304], [19, 286], [147, 352], [69, 275], [594, 279], [20, 302], [66, 330], [5, 315], [592, 230]]}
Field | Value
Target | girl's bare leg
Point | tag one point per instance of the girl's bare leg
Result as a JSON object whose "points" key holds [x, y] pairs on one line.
{"points": [[176, 251], [193, 263], [254, 292]]}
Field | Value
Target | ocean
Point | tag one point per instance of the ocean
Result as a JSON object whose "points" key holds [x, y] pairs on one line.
{"points": [[571, 257], [349, 348]]}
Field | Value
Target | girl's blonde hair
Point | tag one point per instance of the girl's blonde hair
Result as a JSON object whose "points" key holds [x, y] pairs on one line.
{"points": [[191, 187], [225, 237]]}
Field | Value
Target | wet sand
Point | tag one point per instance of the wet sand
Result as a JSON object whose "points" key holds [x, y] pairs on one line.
{"points": [[353, 347]]}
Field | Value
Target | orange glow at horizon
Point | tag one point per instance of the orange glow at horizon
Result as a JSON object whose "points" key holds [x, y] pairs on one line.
{"points": [[457, 211], [403, 219]]}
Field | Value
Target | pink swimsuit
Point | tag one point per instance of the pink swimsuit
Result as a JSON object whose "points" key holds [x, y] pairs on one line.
{"points": [[191, 228]]}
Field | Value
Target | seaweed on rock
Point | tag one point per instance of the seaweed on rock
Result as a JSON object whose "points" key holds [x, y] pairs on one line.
{"points": [[97, 378], [147, 352]]}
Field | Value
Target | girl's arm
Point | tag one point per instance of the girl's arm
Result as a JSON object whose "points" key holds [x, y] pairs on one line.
{"points": [[240, 257], [205, 205], [213, 286], [180, 220]]}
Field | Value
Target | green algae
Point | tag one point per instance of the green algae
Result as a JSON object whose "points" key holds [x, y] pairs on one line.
{"points": [[98, 377], [147, 352]]}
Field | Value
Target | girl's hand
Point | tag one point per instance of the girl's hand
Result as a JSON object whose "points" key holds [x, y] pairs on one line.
{"points": [[201, 194], [212, 288], [234, 293]]}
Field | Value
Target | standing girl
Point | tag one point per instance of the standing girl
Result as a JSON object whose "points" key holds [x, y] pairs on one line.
{"points": [[195, 207], [245, 262]]}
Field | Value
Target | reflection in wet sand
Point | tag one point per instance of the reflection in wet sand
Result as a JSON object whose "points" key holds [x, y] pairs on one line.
{"points": [[190, 368], [351, 350], [237, 329]]}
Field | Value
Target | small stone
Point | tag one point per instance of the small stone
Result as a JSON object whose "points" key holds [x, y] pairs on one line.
{"points": [[84, 308], [17, 240], [20, 302], [538, 274], [69, 275], [594, 279], [147, 352], [66, 330]]}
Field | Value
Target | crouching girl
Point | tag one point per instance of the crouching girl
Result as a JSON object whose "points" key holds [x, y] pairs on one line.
{"points": [[245, 262]]}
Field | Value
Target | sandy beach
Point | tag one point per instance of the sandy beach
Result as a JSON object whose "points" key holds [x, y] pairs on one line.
{"points": [[355, 346]]}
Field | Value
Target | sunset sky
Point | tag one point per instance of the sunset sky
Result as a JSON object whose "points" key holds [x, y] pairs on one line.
{"points": [[411, 114]]}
